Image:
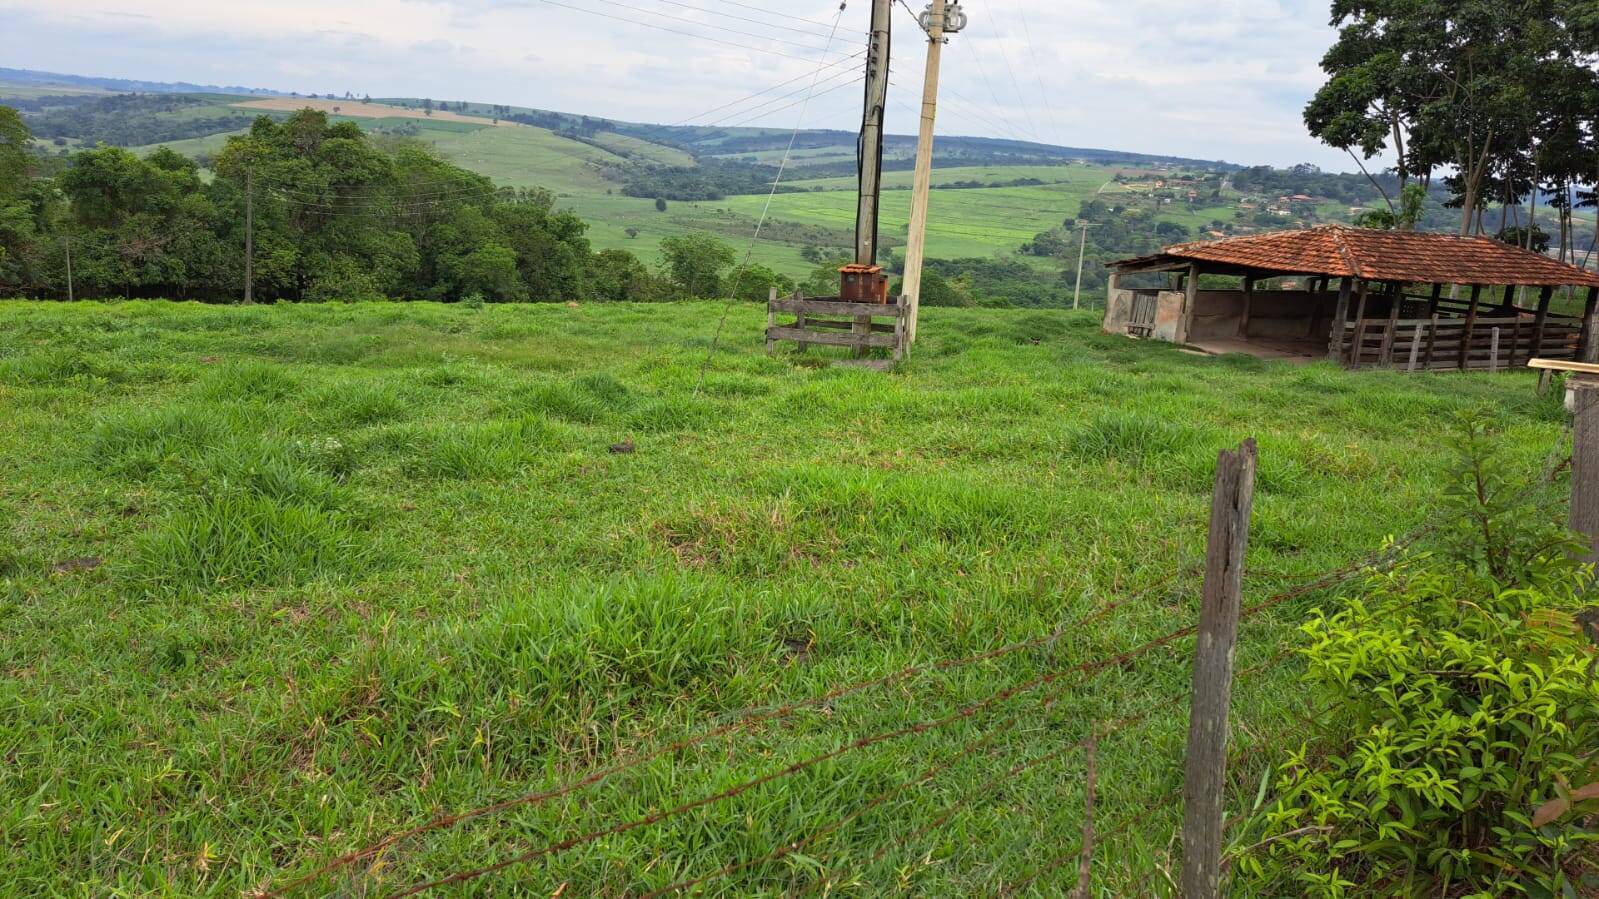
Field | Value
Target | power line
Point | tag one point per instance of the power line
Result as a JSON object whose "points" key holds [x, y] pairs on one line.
{"points": [[760, 93], [700, 24], [774, 12], [853, 81], [805, 31], [1004, 55], [1038, 71], [732, 294]]}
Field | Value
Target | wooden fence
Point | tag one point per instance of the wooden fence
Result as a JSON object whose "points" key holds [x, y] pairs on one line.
{"points": [[1439, 344], [832, 322]]}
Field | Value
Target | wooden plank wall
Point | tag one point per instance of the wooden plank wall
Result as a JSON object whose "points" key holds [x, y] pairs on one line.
{"points": [[1433, 344]]}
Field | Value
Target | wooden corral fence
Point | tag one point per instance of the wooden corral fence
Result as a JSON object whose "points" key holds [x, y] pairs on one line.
{"points": [[1439, 344], [832, 322]]}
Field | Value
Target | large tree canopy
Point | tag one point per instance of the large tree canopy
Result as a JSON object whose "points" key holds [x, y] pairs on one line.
{"points": [[1482, 89]]}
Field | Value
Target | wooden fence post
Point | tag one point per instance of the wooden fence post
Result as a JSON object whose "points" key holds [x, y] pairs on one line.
{"points": [[1205, 778], [771, 319], [1585, 459]]}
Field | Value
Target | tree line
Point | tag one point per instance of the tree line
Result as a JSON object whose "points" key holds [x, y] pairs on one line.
{"points": [[333, 214]]}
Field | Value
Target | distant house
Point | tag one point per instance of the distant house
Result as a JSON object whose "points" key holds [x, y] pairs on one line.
{"points": [[1404, 299]]}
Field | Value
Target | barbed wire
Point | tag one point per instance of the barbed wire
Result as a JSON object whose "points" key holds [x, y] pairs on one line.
{"points": [[1384, 558], [745, 718]]}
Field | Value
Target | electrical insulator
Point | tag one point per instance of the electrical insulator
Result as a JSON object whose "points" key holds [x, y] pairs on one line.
{"points": [[954, 18]]}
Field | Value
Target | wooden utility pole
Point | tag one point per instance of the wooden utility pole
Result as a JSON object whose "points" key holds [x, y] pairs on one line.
{"points": [[67, 242], [937, 17], [871, 147], [1082, 244], [249, 234], [1205, 778]]}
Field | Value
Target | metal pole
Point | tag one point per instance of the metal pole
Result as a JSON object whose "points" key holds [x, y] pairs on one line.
{"points": [[67, 242], [249, 234], [1082, 244], [922, 182], [871, 145]]}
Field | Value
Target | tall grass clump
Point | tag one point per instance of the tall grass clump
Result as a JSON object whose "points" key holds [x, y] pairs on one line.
{"points": [[236, 538], [496, 449], [1131, 438]]}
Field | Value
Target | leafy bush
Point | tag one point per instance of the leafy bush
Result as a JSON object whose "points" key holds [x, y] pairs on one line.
{"points": [[1464, 692]]}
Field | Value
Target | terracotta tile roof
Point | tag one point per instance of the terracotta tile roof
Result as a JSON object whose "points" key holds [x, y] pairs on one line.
{"points": [[1411, 256]]}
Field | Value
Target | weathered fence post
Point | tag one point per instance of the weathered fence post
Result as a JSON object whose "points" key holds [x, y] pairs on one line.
{"points": [[771, 318], [1085, 855], [1205, 779], [1585, 459]]}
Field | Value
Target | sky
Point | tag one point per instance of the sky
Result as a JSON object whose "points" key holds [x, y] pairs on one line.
{"points": [[1225, 79]]}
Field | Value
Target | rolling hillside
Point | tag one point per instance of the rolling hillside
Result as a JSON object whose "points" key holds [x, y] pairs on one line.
{"points": [[996, 195]]}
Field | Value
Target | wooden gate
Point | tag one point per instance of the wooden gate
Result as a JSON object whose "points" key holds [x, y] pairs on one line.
{"points": [[1142, 320]]}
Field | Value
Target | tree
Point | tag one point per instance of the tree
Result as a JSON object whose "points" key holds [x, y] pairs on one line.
{"points": [[1456, 83], [631, 233], [694, 263], [619, 275], [660, 204], [14, 157], [754, 282]]}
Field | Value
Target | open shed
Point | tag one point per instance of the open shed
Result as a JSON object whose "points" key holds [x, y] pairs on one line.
{"points": [[1403, 299]]}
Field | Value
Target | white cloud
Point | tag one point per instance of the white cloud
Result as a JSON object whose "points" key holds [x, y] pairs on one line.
{"points": [[1225, 79]]}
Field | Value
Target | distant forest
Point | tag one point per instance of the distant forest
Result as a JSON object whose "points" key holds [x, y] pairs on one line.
{"points": [[128, 120]]}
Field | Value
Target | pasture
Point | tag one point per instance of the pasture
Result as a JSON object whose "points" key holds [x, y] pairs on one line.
{"points": [[280, 580]]}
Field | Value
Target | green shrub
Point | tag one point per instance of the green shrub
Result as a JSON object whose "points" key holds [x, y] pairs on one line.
{"points": [[1464, 724]]}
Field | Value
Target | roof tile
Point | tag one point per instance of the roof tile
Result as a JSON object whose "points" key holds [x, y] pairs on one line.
{"points": [[1411, 256]]}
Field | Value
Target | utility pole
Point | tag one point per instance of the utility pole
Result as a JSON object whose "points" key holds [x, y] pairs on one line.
{"points": [[941, 17], [871, 146], [1082, 244], [67, 242], [249, 234]]}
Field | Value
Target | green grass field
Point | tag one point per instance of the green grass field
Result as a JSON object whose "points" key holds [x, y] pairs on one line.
{"points": [[280, 580]]}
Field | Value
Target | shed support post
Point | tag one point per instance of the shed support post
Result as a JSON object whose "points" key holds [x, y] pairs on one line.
{"points": [[1205, 767], [1508, 302], [1538, 322], [1190, 299], [1432, 301], [1335, 342], [1243, 315], [1355, 348], [1588, 348], [1395, 297], [1471, 325]]}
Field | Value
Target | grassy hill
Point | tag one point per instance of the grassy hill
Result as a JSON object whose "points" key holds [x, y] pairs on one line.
{"points": [[589, 162], [278, 581]]}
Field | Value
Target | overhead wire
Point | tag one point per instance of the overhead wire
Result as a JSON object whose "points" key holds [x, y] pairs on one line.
{"points": [[1004, 55], [749, 250], [774, 12], [1038, 71], [677, 31], [762, 22], [799, 77]]}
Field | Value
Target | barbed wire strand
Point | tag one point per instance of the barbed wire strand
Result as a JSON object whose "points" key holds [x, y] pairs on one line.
{"points": [[746, 718]]}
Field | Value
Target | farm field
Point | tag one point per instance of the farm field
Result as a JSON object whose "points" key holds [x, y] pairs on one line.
{"points": [[281, 580]]}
